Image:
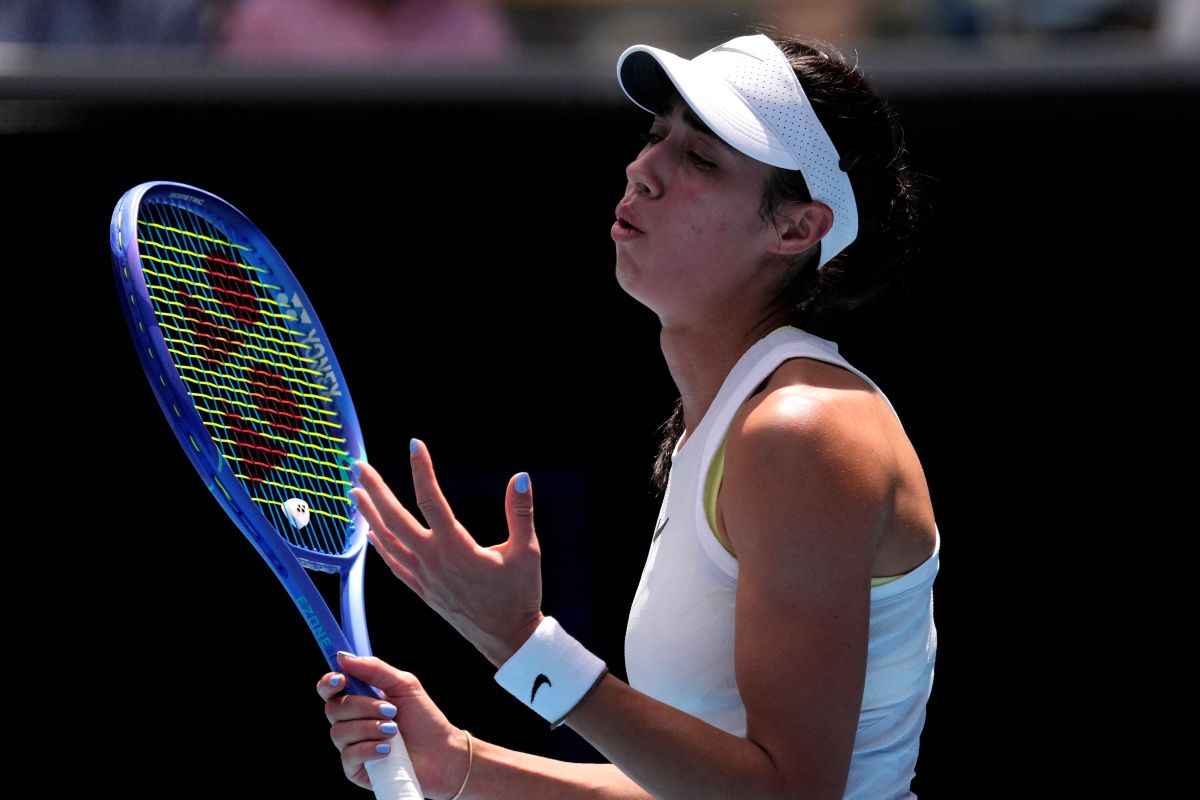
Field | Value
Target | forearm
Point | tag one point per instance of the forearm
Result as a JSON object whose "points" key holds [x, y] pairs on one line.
{"points": [[671, 754], [498, 773], [656, 752]]}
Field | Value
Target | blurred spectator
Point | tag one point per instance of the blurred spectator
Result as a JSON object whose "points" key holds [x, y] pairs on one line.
{"points": [[1000, 18], [357, 31], [1082, 16], [838, 21], [1177, 25], [110, 22], [967, 19]]}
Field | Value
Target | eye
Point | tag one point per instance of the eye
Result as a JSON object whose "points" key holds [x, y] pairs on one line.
{"points": [[648, 138]]}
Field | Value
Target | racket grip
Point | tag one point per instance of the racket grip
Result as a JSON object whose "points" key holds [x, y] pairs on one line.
{"points": [[392, 777]]}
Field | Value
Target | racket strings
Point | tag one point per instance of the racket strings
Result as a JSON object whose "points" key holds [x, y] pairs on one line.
{"points": [[241, 349]]}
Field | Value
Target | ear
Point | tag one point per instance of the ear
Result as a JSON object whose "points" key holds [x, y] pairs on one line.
{"points": [[800, 226]]}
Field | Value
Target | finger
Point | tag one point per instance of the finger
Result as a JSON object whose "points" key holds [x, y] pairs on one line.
{"points": [[347, 707], [398, 558], [372, 671], [394, 683], [430, 499], [370, 732], [385, 534], [518, 508], [355, 756], [389, 510], [331, 685], [341, 707]]}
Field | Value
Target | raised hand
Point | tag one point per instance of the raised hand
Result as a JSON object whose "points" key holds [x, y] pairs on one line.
{"points": [[491, 595]]}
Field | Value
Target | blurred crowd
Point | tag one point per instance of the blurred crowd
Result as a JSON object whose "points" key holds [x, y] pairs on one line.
{"points": [[295, 30], [377, 30]]}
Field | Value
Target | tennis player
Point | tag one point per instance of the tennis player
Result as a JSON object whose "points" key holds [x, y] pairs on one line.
{"points": [[781, 642]]}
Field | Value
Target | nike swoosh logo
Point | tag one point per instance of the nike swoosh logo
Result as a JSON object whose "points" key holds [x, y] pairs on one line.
{"points": [[538, 682], [724, 49], [659, 529]]}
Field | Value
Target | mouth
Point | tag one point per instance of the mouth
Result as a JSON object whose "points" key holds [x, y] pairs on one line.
{"points": [[626, 224]]}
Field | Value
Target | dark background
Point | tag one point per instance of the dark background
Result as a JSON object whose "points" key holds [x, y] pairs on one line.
{"points": [[457, 251]]}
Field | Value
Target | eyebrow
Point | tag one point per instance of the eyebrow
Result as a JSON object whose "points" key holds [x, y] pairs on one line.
{"points": [[690, 117]]}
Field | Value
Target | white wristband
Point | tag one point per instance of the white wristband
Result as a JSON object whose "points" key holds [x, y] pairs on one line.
{"points": [[551, 672]]}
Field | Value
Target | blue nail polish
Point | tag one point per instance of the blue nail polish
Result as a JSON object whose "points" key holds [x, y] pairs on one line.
{"points": [[389, 727], [356, 469], [383, 748], [413, 446], [335, 681], [388, 710], [351, 500], [523, 482]]}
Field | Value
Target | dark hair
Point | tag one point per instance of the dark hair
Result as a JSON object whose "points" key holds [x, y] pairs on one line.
{"points": [[867, 133]]}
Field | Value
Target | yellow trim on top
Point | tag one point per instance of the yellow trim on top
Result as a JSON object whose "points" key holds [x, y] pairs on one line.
{"points": [[712, 487]]}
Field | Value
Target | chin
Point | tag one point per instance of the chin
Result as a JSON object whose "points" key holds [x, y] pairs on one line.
{"points": [[627, 279], [633, 281]]}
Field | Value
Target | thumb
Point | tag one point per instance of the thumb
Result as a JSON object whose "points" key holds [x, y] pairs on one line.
{"points": [[518, 508], [394, 683]]}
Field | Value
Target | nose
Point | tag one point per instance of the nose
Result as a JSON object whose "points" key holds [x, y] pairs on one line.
{"points": [[644, 173]]}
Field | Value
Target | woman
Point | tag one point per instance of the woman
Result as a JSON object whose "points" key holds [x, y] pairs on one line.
{"points": [[781, 642]]}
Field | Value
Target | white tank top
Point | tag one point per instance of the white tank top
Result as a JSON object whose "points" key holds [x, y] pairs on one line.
{"points": [[679, 639]]}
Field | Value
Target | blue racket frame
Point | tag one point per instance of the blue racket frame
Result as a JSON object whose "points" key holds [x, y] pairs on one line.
{"points": [[288, 562]]}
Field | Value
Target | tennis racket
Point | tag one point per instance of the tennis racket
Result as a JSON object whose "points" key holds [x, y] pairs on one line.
{"points": [[248, 381]]}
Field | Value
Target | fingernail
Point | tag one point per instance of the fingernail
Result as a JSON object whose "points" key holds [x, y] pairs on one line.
{"points": [[523, 482], [388, 710], [413, 446], [351, 500], [346, 653], [335, 681], [389, 727], [356, 469], [383, 747]]}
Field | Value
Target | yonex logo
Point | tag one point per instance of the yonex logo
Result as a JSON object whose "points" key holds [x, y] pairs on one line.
{"points": [[318, 352], [294, 302], [297, 512]]}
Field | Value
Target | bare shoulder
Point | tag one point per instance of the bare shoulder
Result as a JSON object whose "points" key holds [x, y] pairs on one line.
{"points": [[810, 401], [823, 450], [818, 420]]}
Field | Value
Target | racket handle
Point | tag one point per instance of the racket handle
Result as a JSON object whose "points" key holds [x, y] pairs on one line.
{"points": [[392, 777]]}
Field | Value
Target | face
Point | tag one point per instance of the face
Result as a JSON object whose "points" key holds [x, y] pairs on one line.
{"points": [[690, 239]]}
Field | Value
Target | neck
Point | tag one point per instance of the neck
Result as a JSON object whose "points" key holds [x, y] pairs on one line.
{"points": [[699, 358]]}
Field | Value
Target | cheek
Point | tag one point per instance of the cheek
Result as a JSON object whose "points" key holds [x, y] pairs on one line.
{"points": [[709, 220], [721, 227], [713, 226]]}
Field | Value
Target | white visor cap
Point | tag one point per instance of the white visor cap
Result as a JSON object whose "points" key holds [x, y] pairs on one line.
{"points": [[748, 94]]}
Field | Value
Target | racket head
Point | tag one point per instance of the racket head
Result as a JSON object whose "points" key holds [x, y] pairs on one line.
{"points": [[243, 371]]}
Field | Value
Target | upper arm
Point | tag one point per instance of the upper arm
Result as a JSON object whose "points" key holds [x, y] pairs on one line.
{"points": [[801, 502]]}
